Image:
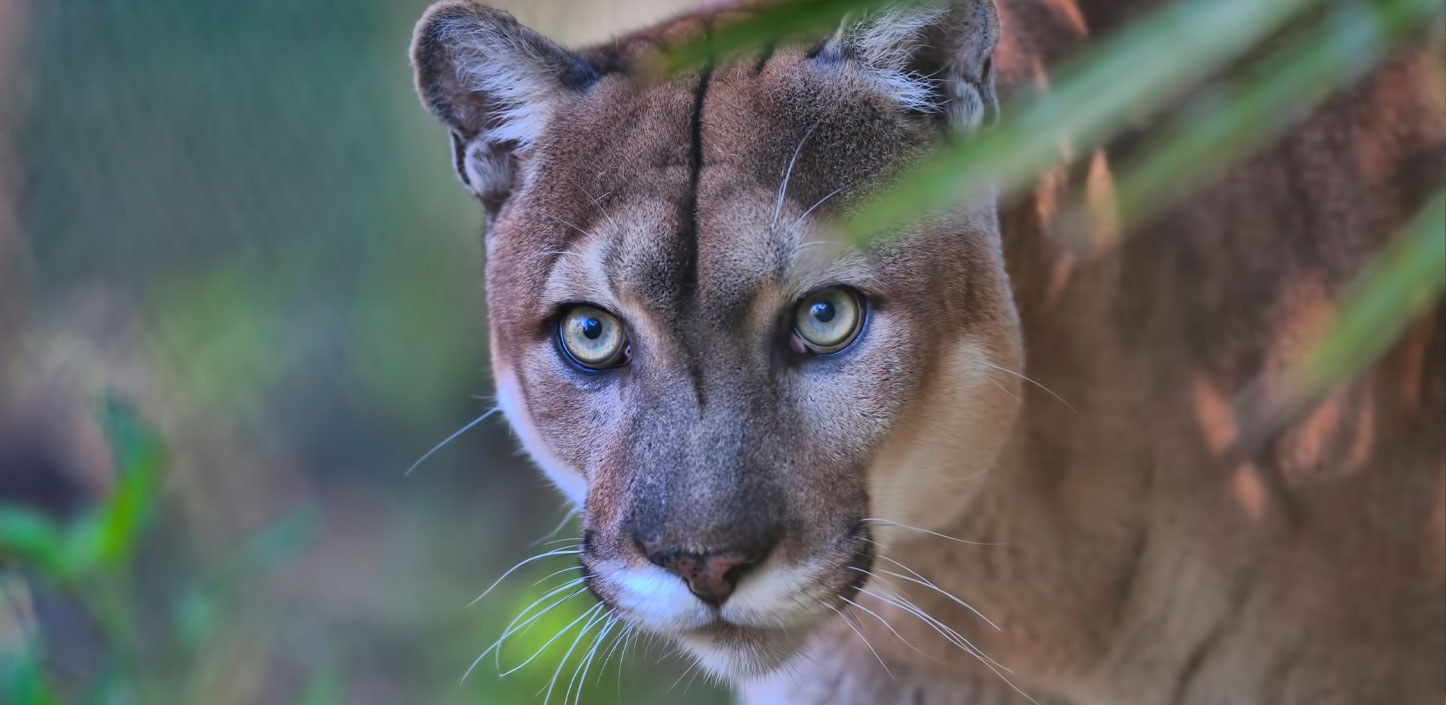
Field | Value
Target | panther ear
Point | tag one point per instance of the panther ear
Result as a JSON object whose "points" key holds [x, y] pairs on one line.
{"points": [[494, 84], [935, 57]]}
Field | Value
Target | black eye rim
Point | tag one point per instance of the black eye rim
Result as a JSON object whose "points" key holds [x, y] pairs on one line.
{"points": [[620, 359], [810, 349]]}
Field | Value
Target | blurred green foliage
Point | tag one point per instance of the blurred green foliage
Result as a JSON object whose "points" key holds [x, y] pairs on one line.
{"points": [[90, 557], [103, 540], [93, 559]]}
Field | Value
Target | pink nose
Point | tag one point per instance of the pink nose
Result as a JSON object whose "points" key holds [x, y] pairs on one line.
{"points": [[712, 576]]}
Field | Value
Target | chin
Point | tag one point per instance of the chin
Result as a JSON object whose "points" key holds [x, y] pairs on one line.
{"points": [[734, 652]]}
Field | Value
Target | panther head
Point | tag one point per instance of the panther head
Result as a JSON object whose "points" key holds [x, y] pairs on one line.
{"points": [[743, 404]]}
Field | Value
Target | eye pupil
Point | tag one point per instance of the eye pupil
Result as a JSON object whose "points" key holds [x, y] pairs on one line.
{"points": [[828, 320], [591, 338], [822, 311]]}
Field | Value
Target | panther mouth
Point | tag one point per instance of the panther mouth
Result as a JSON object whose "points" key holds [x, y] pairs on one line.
{"points": [[734, 650], [766, 624], [724, 632]]}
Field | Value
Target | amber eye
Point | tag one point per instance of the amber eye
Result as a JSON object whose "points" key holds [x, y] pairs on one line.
{"points": [[592, 338], [829, 319]]}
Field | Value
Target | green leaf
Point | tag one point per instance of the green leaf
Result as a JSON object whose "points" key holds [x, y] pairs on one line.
{"points": [[1404, 282], [31, 538], [139, 458], [135, 447], [107, 537], [1137, 71], [778, 23], [1240, 116]]}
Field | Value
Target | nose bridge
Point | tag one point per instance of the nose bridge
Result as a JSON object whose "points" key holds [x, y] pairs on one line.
{"points": [[698, 487], [717, 440]]}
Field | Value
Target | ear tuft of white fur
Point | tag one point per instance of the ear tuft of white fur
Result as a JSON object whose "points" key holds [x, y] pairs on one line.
{"points": [[886, 42], [931, 58], [495, 84], [520, 84]]}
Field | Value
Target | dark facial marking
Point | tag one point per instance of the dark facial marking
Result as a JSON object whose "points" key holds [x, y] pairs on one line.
{"points": [[768, 51], [863, 559], [688, 285]]}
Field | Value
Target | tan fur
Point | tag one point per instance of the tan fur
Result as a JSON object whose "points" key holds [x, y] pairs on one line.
{"points": [[1110, 528]]}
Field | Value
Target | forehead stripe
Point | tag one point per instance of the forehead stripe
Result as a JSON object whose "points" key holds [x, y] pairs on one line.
{"points": [[688, 238]]}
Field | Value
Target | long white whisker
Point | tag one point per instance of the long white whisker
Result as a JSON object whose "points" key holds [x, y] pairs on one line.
{"points": [[949, 633], [861, 636], [889, 627], [682, 675], [998, 668], [943, 630], [510, 571], [925, 582], [1003, 388], [450, 438], [567, 517], [618, 640], [513, 626], [630, 643], [1027, 379], [596, 202], [788, 173], [972, 646], [564, 222], [586, 661], [811, 208], [891, 522], [921, 580], [616, 620], [555, 573], [691, 678], [928, 621], [580, 634], [560, 632], [509, 629]]}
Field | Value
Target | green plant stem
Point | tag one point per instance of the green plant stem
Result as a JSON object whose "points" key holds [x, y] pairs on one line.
{"points": [[1404, 282]]}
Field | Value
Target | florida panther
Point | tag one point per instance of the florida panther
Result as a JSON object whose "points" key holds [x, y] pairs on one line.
{"points": [[883, 473]]}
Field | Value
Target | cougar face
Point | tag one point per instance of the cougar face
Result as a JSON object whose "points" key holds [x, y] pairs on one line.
{"points": [[741, 403]]}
